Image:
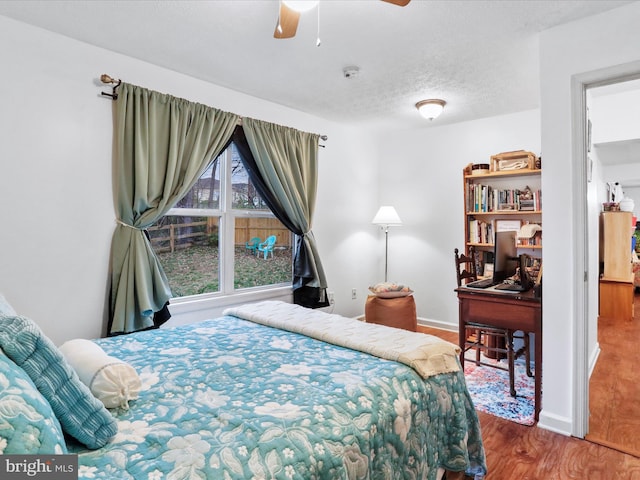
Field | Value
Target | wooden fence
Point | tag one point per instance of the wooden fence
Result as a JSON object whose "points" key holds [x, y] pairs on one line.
{"points": [[248, 228], [169, 238]]}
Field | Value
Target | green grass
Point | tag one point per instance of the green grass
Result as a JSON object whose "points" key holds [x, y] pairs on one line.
{"points": [[194, 270]]}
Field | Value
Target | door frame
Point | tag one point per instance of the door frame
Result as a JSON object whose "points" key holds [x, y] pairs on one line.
{"points": [[579, 85]]}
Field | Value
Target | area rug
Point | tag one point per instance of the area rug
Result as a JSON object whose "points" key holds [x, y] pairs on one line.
{"points": [[489, 389]]}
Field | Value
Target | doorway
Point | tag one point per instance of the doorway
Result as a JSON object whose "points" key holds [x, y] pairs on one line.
{"points": [[612, 155]]}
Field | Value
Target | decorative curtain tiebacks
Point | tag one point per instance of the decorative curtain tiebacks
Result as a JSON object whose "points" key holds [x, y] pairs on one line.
{"points": [[120, 222]]}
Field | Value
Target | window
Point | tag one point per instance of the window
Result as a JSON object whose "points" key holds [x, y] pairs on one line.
{"points": [[204, 242]]}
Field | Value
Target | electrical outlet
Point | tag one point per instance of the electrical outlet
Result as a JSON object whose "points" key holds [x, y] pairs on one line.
{"points": [[354, 294], [331, 298]]}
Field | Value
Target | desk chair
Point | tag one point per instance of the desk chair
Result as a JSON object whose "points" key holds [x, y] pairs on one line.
{"points": [[487, 338]]}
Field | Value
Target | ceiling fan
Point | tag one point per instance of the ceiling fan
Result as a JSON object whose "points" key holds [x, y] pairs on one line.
{"points": [[288, 17]]}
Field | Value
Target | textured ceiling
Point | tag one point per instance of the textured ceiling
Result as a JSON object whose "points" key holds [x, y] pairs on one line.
{"points": [[479, 56]]}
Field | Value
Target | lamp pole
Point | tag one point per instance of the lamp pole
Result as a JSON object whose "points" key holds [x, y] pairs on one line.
{"points": [[386, 251], [386, 216]]}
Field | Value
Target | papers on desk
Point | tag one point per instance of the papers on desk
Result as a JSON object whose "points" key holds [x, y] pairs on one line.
{"points": [[495, 290]]}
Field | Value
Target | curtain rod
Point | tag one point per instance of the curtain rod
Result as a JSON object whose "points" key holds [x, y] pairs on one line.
{"points": [[108, 79], [104, 78]]}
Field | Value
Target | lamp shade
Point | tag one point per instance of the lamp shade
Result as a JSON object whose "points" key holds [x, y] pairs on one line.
{"points": [[430, 109], [386, 216]]}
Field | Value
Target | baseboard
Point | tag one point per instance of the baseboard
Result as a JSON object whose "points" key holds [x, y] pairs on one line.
{"points": [[428, 322], [555, 423]]}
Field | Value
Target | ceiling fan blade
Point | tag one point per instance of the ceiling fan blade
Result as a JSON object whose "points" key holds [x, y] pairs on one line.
{"points": [[287, 23], [400, 3]]}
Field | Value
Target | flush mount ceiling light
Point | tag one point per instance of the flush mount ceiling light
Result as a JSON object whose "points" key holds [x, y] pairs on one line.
{"points": [[430, 109]]}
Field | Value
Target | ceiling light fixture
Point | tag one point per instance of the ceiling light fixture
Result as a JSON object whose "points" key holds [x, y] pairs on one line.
{"points": [[430, 109], [300, 5]]}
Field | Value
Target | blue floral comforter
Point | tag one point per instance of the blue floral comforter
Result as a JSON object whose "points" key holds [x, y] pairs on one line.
{"points": [[231, 399]]}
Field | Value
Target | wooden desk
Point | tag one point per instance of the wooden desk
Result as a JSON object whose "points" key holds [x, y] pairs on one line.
{"points": [[516, 311]]}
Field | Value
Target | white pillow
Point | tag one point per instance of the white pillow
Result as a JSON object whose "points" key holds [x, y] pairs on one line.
{"points": [[390, 290], [111, 380]]}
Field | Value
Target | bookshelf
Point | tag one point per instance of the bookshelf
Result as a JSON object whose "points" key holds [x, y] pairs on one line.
{"points": [[502, 200]]}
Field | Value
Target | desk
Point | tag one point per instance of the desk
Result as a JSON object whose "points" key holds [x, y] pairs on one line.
{"points": [[516, 311]]}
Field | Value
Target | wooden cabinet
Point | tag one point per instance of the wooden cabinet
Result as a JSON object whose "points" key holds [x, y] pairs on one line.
{"points": [[616, 276], [615, 245], [499, 200], [616, 299]]}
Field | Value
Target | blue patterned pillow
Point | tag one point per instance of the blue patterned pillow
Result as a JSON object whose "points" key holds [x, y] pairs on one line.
{"points": [[81, 415], [27, 423], [5, 308]]}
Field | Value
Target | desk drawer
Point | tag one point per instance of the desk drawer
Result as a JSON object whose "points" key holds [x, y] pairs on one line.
{"points": [[500, 314]]}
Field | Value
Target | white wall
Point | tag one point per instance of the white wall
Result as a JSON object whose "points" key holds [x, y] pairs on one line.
{"points": [[616, 129], [596, 195], [421, 175], [628, 175], [590, 45], [615, 117], [634, 194], [55, 178]]}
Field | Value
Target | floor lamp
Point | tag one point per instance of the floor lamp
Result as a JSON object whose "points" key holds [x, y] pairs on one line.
{"points": [[386, 217]]}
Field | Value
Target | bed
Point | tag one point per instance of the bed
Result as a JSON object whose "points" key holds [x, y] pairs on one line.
{"points": [[252, 395]]}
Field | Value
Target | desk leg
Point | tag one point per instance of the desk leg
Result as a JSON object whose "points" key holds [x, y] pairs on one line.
{"points": [[462, 334], [527, 353], [510, 362], [538, 372]]}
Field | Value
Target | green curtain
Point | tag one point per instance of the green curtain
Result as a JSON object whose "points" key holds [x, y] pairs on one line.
{"points": [[287, 160], [162, 144]]}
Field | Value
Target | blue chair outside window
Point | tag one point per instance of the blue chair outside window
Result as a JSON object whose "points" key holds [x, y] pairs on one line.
{"points": [[252, 245], [266, 247]]}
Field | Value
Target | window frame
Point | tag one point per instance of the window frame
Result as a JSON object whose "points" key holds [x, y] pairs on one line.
{"points": [[227, 294]]}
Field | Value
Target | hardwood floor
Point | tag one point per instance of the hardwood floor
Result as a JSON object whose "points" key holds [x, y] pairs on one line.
{"points": [[530, 453], [614, 388]]}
